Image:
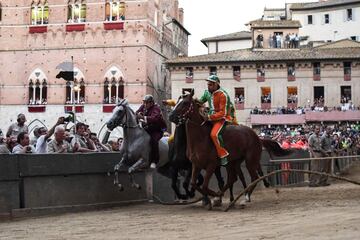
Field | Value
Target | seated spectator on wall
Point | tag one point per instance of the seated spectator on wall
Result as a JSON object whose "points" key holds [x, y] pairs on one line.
{"points": [[23, 146], [59, 144]]}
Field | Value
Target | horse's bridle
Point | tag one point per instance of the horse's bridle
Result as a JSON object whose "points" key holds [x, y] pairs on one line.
{"points": [[124, 125], [185, 116]]}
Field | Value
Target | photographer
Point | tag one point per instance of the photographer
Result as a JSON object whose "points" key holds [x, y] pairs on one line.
{"points": [[23, 144], [59, 144], [44, 135]]}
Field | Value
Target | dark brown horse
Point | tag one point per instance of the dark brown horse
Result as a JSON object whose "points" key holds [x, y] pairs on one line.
{"points": [[241, 142]]}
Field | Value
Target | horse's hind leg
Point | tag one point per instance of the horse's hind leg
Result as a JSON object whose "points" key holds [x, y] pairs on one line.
{"points": [[116, 178], [174, 186], [243, 181], [221, 184], [132, 169], [261, 174]]}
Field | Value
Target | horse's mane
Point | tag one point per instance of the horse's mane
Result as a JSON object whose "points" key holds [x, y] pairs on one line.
{"points": [[198, 102]]}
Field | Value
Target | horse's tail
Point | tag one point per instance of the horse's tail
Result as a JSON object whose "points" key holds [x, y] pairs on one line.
{"points": [[274, 148]]}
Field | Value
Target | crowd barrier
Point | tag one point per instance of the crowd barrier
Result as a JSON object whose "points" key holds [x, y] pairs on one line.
{"points": [[50, 181], [301, 160]]}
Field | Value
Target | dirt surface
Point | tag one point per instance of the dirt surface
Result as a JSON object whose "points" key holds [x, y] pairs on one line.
{"points": [[331, 212]]}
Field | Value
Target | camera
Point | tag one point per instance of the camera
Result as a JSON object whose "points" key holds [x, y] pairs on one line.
{"points": [[68, 119]]}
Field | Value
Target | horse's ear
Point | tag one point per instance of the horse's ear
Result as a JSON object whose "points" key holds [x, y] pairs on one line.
{"points": [[192, 92], [122, 102]]}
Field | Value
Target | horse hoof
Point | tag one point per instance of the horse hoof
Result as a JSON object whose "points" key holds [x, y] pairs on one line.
{"points": [[121, 188], [243, 204], [183, 197], [217, 202], [205, 201], [209, 206], [247, 198]]}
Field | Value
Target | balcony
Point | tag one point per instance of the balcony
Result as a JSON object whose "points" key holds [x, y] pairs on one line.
{"points": [[108, 108], [347, 77], [75, 27], [113, 25], [316, 77], [261, 78], [36, 108], [292, 105], [299, 119], [78, 108], [37, 29], [291, 78], [266, 106], [237, 78], [239, 106], [189, 79]]}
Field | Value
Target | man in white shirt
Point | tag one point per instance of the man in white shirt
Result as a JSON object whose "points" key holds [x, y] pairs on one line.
{"points": [[41, 143], [23, 144], [17, 127]]}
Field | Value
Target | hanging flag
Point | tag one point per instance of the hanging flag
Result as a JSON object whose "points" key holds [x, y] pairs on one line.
{"points": [[66, 71]]}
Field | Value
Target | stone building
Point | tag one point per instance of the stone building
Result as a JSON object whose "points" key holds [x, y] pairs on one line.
{"points": [[273, 78], [118, 50]]}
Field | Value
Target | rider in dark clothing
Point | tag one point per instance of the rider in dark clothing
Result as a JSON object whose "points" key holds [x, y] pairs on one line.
{"points": [[150, 114]]}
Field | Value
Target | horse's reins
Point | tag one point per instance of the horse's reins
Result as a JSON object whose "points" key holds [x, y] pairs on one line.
{"points": [[185, 116]]}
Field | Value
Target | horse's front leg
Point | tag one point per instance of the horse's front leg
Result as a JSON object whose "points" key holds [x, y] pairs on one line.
{"points": [[116, 170], [133, 169], [174, 185]]}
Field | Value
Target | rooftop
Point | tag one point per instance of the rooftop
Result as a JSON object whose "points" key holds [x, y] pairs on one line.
{"points": [[275, 24], [343, 49], [323, 4], [227, 37]]}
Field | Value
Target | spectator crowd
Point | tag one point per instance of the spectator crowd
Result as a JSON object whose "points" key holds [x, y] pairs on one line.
{"points": [[57, 139]]}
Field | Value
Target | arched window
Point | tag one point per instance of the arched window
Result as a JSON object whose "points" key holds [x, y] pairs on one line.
{"points": [[114, 10], [39, 13], [75, 91], [76, 11], [114, 90], [37, 88]]}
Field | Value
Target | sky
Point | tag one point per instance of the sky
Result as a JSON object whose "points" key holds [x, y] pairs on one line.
{"points": [[209, 18]]}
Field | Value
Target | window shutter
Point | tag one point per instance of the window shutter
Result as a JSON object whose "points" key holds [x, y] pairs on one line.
{"points": [[345, 15], [354, 14]]}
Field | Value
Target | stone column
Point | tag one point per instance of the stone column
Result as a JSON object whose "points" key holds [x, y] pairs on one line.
{"points": [[117, 93]]}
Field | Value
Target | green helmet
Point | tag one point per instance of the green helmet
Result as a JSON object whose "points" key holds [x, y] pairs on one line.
{"points": [[213, 78]]}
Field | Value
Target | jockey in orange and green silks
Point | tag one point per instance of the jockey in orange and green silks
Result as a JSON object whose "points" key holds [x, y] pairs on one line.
{"points": [[221, 112]]}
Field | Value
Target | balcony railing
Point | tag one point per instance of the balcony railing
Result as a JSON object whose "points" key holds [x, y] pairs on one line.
{"points": [[75, 27], [261, 78], [37, 29], [239, 106], [113, 25], [108, 108], [291, 78], [317, 77], [189, 79], [266, 106], [347, 77], [36, 108], [78, 108]]}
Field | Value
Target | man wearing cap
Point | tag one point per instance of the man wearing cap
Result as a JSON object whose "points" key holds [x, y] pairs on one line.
{"points": [[150, 114], [221, 112], [18, 127]]}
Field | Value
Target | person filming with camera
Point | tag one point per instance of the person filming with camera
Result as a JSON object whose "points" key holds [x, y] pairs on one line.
{"points": [[23, 144], [44, 135]]}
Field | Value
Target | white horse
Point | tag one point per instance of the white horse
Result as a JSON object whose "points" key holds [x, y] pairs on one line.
{"points": [[135, 149]]}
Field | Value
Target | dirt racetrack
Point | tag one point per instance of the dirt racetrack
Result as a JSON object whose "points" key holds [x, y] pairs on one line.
{"points": [[331, 212]]}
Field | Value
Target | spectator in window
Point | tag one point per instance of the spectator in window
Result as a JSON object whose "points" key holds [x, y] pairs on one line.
{"points": [[59, 144], [23, 146], [18, 127], [82, 138], [44, 135]]}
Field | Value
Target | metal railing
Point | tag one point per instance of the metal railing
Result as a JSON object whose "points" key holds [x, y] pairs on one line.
{"points": [[339, 164]]}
